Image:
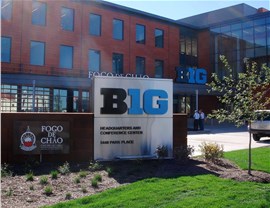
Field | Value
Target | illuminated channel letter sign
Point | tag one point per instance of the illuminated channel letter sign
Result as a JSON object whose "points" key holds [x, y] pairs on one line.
{"points": [[132, 116], [191, 76]]}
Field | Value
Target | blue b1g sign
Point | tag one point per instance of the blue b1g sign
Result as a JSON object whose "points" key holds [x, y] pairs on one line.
{"points": [[191, 76], [132, 116]]}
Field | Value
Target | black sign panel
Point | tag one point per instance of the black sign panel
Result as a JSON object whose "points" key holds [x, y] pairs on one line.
{"points": [[41, 137]]}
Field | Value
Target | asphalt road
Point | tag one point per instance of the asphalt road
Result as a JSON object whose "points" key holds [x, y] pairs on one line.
{"points": [[231, 137]]}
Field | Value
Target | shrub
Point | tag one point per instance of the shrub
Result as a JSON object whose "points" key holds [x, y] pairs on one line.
{"points": [[31, 187], [183, 153], [64, 169], [84, 190], [43, 180], [77, 180], [94, 183], [161, 151], [109, 171], [48, 190], [30, 176], [54, 174], [5, 171], [9, 192], [68, 196], [211, 151], [94, 166], [98, 177], [83, 174]]}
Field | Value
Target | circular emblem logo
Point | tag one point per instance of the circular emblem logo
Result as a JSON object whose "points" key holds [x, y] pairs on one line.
{"points": [[28, 140]]}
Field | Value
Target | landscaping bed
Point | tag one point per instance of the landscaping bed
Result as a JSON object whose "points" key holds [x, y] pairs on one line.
{"points": [[77, 179]]}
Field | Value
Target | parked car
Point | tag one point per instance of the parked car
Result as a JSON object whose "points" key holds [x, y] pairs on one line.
{"points": [[261, 127]]}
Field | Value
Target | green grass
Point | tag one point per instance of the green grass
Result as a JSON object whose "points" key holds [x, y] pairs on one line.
{"points": [[197, 191], [260, 159]]}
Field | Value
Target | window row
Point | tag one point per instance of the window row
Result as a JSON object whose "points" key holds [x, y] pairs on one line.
{"points": [[39, 99], [39, 11], [37, 57]]}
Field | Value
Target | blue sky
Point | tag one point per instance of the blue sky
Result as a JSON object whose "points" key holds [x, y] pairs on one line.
{"points": [[177, 9]]}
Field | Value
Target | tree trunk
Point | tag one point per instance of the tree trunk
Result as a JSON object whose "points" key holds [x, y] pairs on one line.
{"points": [[249, 152]]}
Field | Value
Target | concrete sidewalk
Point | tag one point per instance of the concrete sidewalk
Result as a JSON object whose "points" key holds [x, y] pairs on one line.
{"points": [[228, 135]]}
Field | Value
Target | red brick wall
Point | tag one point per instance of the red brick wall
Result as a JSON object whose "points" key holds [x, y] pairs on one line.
{"points": [[22, 32], [81, 135]]}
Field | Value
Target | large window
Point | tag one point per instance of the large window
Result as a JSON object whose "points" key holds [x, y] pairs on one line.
{"points": [[159, 68], [39, 13], [37, 53], [159, 38], [59, 100], [117, 63], [6, 9], [5, 49], [94, 60], [140, 34], [67, 19], [85, 101], [38, 96], [140, 65], [9, 98], [95, 24], [118, 29], [66, 57]]}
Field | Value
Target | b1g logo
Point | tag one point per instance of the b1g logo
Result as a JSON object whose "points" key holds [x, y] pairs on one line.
{"points": [[190, 75], [155, 102]]}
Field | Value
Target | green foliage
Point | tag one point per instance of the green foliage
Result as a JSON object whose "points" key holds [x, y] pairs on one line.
{"points": [[242, 93], [9, 192], [161, 151], [82, 174], [260, 158], [43, 180], [94, 166], [184, 191], [84, 190], [48, 190], [77, 180], [54, 174], [211, 151], [31, 187], [94, 182], [98, 177], [5, 170], [64, 169], [30, 176], [109, 171], [68, 196], [183, 153]]}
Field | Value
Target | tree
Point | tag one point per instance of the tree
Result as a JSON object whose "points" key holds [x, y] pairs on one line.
{"points": [[241, 95]]}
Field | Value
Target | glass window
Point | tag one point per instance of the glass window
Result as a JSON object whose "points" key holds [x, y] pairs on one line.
{"points": [[59, 100], [6, 9], [66, 57], [248, 24], [5, 49], [259, 21], [140, 65], [37, 53], [75, 101], [9, 98], [117, 63], [95, 24], [39, 13], [159, 68], [41, 102], [94, 60], [159, 38], [85, 101], [140, 34], [260, 36], [248, 37], [67, 19], [236, 26], [194, 47], [118, 29]]}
